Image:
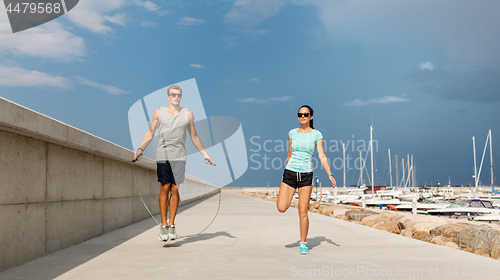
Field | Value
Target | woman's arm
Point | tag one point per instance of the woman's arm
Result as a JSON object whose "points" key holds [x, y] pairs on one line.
{"points": [[324, 161], [289, 150]]}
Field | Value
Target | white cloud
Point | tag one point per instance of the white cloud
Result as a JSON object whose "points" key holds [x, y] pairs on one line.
{"points": [[383, 100], [119, 19], [196, 66], [257, 32], [93, 14], [428, 65], [252, 12], [109, 89], [190, 21], [246, 15], [260, 101], [17, 76], [253, 100], [150, 6], [50, 40], [282, 98], [255, 80], [230, 41], [148, 24]]}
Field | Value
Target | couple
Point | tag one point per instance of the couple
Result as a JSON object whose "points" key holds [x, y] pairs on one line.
{"points": [[172, 123]]}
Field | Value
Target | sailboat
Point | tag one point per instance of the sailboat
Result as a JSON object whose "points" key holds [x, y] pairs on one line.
{"points": [[380, 197]]}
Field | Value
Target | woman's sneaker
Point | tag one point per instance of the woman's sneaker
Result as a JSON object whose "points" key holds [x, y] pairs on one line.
{"points": [[164, 232], [303, 248], [171, 232]]}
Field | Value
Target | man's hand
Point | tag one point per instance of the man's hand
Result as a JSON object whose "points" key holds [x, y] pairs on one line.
{"points": [[208, 160], [137, 156]]}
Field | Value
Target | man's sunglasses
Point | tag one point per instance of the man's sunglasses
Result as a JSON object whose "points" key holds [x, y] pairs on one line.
{"points": [[303, 114], [176, 95]]}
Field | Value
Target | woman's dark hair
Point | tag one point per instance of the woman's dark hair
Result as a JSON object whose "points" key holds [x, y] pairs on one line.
{"points": [[311, 112]]}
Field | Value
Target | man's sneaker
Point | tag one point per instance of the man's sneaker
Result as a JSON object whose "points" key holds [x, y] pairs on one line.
{"points": [[164, 232], [303, 248], [171, 232]]}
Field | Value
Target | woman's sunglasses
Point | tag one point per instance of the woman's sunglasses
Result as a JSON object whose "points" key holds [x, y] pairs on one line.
{"points": [[303, 114]]}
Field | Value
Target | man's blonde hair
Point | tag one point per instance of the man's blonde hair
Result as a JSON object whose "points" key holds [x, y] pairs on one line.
{"points": [[173, 87]]}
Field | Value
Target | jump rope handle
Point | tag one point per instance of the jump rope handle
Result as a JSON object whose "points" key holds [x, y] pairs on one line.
{"points": [[137, 158]]}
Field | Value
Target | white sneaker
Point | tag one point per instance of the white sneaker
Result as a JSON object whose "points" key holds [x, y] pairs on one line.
{"points": [[164, 232], [171, 232]]}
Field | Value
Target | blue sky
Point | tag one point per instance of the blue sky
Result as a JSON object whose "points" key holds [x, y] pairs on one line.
{"points": [[424, 72]]}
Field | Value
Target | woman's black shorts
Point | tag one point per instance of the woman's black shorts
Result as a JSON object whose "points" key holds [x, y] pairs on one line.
{"points": [[171, 172], [297, 179]]}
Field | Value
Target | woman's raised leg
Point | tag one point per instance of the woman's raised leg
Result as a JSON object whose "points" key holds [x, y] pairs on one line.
{"points": [[285, 196]]}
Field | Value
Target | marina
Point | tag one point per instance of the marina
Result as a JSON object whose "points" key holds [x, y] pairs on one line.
{"points": [[405, 195], [449, 229]]}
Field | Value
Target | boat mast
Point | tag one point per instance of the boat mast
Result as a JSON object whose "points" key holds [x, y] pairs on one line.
{"points": [[482, 159], [371, 153], [397, 179], [390, 166], [491, 161], [361, 167], [412, 173], [403, 168], [409, 169], [343, 150], [414, 176], [475, 169]]}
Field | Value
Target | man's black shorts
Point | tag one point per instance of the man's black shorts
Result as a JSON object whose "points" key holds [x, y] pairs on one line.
{"points": [[297, 179], [171, 172]]}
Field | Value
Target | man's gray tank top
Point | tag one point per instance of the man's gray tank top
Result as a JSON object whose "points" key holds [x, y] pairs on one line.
{"points": [[172, 136]]}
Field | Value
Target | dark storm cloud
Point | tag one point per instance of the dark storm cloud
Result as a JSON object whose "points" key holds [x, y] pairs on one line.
{"points": [[476, 85]]}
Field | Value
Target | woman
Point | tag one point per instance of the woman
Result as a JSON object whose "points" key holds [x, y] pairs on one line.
{"points": [[298, 172]]}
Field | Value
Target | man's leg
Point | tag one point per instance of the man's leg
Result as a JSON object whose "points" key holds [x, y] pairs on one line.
{"points": [[174, 203], [163, 200]]}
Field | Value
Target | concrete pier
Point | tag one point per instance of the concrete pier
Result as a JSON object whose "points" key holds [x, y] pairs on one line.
{"points": [[60, 185], [251, 239]]}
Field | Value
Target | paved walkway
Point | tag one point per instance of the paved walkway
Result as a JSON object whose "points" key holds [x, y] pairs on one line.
{"points": [[250, 239]]}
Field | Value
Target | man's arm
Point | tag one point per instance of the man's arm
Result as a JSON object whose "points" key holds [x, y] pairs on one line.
{"points": [[196, 139], [149, 135]]}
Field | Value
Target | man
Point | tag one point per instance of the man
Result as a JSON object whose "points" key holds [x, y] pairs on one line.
{"points": [[172, 123]]}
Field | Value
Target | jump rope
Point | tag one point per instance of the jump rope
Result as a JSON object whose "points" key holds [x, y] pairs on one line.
{"points": [[151, 214]]}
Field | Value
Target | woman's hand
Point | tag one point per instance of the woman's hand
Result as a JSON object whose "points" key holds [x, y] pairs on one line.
{"points": [[333, 180]]}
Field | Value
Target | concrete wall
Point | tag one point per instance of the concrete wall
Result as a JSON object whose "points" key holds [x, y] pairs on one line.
{"points": [[60, 186]]}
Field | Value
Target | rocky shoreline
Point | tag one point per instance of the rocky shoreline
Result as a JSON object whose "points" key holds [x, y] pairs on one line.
{"points": [[473, 237]]}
